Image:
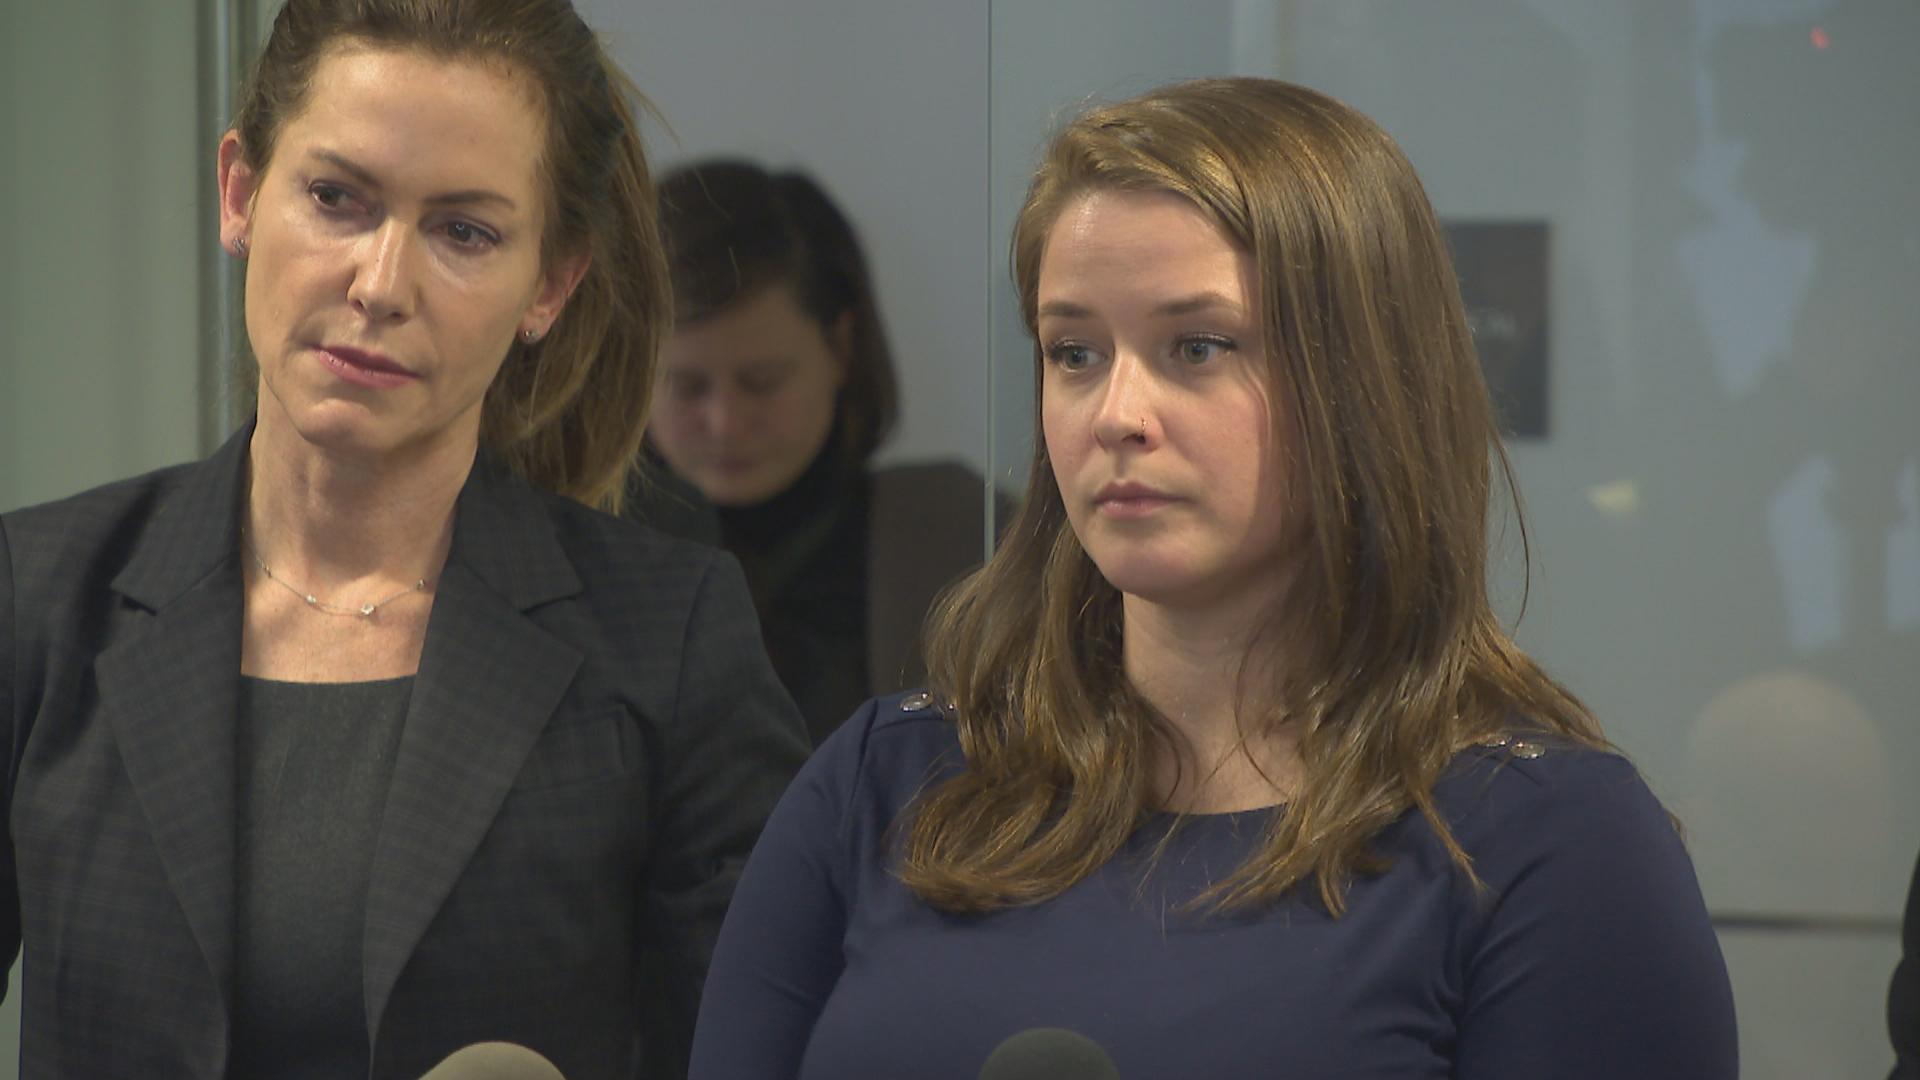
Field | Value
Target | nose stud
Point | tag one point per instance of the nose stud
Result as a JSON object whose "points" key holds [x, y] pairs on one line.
{"points": [[1143, 429]]}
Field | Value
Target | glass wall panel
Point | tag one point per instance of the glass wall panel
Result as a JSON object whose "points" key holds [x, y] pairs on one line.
{"points": [[103, 166]]}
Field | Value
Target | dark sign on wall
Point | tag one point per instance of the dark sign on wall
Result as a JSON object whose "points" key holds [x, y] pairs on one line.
{"points": [[1502, 267]]}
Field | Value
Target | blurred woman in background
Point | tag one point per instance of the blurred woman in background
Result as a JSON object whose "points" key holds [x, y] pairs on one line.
{"points": [[777, 387]]}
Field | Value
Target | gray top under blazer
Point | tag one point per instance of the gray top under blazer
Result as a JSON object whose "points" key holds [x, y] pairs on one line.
{"points": [[593, 741]]}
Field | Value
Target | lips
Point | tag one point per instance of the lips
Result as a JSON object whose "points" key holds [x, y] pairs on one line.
{"points": [[363, 368], [1126, 490], [1130, 500], [368, 360]]}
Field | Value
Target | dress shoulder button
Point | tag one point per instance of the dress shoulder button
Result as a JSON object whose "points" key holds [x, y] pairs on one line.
{"points": [[916, 701], [1525, 749]]}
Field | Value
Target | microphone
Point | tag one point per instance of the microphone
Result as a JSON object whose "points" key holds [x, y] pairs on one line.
{"points": [[494, 1061], [1049, 1054]]}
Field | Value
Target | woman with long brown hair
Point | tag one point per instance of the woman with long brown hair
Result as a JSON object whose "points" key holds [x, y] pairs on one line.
{"points": [[1227, 763], [372, 735]]}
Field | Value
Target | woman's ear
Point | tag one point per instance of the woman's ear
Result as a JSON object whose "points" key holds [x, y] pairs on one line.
{"points": [[238, 184], [556, 285]]}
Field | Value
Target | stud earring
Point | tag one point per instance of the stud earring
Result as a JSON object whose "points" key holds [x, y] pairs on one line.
{"points": [[530, 335], [240, 247]]}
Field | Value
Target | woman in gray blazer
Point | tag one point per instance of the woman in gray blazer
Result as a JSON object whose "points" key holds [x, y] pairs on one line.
{"points": [[372, 736]]}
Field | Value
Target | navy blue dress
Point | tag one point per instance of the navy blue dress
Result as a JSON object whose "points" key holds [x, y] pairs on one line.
{"points": [[1591, 954]]}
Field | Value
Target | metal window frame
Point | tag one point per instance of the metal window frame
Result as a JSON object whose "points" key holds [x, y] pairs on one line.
{"points": [[229, 32]]}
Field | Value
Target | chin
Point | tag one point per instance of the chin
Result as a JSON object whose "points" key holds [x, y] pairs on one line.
{"points": [[734, 495], [344, 424], [347, 431], [1149, 579], [1171, 582]]}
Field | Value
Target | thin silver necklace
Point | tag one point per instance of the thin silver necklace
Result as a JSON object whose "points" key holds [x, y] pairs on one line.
{"points": [[361, 611]]}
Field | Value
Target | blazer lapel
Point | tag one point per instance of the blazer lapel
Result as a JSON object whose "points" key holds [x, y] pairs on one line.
{"points": [[489, 680], [169, 690]]}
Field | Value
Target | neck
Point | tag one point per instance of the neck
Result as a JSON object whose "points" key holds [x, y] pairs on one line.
{"points": [[821, 490], [1198, 669], [339, 524]]}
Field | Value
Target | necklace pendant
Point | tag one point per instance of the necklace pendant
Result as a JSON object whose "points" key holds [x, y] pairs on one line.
{"points": [[367, 609], [312, 600]]}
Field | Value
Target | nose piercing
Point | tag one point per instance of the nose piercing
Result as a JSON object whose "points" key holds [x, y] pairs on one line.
{"points": [[1143, 429]]}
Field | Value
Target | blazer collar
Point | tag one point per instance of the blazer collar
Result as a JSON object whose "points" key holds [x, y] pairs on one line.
{"points": [[194, 530], [489, 680], [503, 533], [169, 688]]}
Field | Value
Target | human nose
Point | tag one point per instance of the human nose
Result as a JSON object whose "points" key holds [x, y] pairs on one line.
{"points": [[1126, 403], [725, 414], [382, 286]]}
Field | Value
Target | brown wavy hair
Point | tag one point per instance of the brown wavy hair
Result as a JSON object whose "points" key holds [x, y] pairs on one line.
{"points": [[1395, 659], [568, 412]]}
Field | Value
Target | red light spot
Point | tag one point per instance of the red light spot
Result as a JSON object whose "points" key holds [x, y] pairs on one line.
{"points": [[1820, 39]]}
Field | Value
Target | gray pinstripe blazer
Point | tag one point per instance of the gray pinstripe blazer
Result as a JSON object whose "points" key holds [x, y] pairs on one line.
{"points": [[594, 738]]}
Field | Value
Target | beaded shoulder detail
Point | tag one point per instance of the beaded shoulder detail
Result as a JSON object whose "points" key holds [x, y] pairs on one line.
{"points": [[1526, 749], [923, 701]]}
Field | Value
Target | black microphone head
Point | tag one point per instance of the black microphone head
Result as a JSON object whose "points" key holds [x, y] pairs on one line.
{"points": [[1049, 1054]]}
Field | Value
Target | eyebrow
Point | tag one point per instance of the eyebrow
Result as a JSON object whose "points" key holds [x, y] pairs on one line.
{"points": [[359, 173], [1186, 305], [764, 365]]}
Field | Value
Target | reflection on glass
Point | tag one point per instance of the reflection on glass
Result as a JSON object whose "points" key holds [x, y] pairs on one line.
{"points": [[777, 387]]}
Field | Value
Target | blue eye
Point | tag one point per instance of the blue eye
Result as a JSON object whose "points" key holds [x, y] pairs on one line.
{"points": [[1070, 356], [1201, 349], [468, 235]]}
